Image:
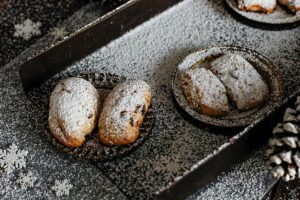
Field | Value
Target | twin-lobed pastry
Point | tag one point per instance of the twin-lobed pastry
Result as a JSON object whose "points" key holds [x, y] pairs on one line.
{"points": [[229, 80], [75, 109]]}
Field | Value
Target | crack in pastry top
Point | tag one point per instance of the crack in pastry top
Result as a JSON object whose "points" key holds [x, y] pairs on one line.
{"points": [[122, 103], [72, 106], [205, 88], [244, 84]]}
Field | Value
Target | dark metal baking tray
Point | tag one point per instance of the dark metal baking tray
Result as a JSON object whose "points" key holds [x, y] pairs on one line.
{"points": [[107, 28], [91, 37], [240, 145]]}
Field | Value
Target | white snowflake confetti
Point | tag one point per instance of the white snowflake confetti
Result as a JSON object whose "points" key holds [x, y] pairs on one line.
{"points": [[12, 158], [58, 33], [27, 29], [62, 187], [170, 166], [26, 180]]}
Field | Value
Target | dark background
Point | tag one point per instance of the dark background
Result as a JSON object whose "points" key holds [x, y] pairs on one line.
{"points": [[50, 13]]}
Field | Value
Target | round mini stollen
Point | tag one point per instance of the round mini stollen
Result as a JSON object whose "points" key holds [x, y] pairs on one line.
{"points": [[91, 149], [269, 72], [281, 17]]}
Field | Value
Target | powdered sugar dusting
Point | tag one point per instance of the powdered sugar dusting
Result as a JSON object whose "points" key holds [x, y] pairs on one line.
{"points": [[202, 87], [234, 117], [121, 104], [151, 52], [266, 4], [74, 102], [244, 85]]}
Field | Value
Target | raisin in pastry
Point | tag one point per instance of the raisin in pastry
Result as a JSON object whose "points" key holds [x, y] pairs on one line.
{"points": [[245, 86], [123, 113], [204, 92], [74, 110]]}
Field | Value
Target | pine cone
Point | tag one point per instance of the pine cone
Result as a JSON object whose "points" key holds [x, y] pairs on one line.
{"points": [[284, 151]]}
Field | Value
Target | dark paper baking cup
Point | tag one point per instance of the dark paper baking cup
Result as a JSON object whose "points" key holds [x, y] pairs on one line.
{"points": [[91, 149]]}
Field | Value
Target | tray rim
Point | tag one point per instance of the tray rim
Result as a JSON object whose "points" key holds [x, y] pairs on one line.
{"points": [[36, 62], [170, 188]]}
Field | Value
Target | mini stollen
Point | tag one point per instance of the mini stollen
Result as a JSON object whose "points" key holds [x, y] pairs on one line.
{"points": [[284, 151], [91, 149]]}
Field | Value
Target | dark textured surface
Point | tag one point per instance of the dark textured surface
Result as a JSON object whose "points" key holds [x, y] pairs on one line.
{"points": [[26, 131], [49, 13], [92, 149], [152, 52], [176, 144]]}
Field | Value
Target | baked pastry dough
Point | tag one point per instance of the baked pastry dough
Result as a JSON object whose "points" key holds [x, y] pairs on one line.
{"points": [[204, 92], [123, 113], [293, 5], [266, 6], [245, 86], [74, 110]]}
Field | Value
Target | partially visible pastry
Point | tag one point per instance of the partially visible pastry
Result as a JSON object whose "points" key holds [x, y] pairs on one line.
{"points": [[266, 6], [245, 86], [293, 5], [74, 110], [123, 113], [204, 92]]}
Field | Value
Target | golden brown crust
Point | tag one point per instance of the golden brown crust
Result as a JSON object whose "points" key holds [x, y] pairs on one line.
{"points": [[256, 8], [74, 110], [204, 92], [211, 111], [113, 130], [291, 5]]}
